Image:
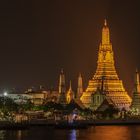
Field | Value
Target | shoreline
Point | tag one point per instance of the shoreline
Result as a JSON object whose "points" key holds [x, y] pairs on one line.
{"points": [[88, 123]]}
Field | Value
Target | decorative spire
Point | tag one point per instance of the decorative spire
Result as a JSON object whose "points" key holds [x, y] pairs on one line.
{"points": [[137, 84], [105, 49], [62, 71], [70, 87], [105, 34], [70, 94], [136, 70], [137, 77], [80, 81], [105, 22], [62, 82], [80, 86]]}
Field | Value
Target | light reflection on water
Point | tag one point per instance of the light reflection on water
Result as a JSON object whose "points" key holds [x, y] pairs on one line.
{"points": [[73, 134], [93, 133], [19, 134], [2, 134]]}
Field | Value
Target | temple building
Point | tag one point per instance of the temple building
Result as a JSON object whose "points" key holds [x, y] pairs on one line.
{"points": [[136, 94], [97, 99], [113, 87], [98, 96]]}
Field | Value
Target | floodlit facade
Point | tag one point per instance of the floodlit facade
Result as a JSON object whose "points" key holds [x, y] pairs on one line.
{"points": [[113, 87]]}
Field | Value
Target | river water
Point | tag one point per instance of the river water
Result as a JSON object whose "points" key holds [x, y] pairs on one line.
{"points": [[92, 133]]}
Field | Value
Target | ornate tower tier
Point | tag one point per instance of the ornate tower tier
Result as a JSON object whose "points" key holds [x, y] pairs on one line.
{"points": [[113, 87]]}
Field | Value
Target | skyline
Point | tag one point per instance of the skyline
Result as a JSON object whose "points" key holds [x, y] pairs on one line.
{"points": [[38, 39]]}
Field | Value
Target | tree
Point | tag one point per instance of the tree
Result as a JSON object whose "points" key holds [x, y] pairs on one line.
{"points": [[8, 104], [53, 106]]}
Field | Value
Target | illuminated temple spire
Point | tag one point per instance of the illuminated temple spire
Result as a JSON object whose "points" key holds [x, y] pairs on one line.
{"points": [[105, 34], [70, 94], [105, 68], [105, 22], [62, 88], [137, 83], [70, 87], [136, 94], [80, 87]]}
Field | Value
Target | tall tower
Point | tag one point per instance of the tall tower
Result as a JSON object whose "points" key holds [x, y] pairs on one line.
{"points": [[136, 93], [137, 83], [80, 87], [70, 94], [113, 87], [62, 88]]}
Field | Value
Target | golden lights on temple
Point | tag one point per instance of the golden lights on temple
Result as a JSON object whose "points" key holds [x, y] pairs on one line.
{"points": [[113, 87]]}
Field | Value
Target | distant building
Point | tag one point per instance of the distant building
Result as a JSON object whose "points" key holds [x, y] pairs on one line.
{"points": [[38, 97], [18, 98], [42, 97]]}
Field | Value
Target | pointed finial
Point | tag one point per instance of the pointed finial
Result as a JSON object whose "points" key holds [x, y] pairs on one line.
{"points": [[136, 70], [105, 22], [79, 74], [62, 71], [70, 86]]}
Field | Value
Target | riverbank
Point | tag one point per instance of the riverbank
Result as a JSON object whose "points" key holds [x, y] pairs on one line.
{"points": [[87, 122], [113, 122], [54, 124], [5, 125]]}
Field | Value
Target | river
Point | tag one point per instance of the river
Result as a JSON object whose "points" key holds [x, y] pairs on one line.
{"points": [[92, 133]]}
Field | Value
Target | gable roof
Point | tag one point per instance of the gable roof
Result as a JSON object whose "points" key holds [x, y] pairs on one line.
{"points": [[106, 104]]}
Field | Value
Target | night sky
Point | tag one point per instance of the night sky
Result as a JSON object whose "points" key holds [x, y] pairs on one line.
{"points": [[38, 38]]}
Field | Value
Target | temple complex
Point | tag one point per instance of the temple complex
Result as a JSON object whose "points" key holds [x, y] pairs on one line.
{"points": [[112, 87]]}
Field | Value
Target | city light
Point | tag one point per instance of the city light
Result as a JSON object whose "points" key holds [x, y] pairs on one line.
{"points": [[5, 93]]}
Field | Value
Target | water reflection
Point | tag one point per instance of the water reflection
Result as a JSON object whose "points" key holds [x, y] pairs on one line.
{"points": [[111, 132], [2, 134], [92, 133], [19, 134], [73, 134]]}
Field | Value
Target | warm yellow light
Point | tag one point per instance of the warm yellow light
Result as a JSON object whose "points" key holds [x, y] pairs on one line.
{"points": [[106, 68]]}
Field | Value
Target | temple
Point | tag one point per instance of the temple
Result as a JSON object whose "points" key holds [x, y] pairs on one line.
{"points": [[105, 77]]}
